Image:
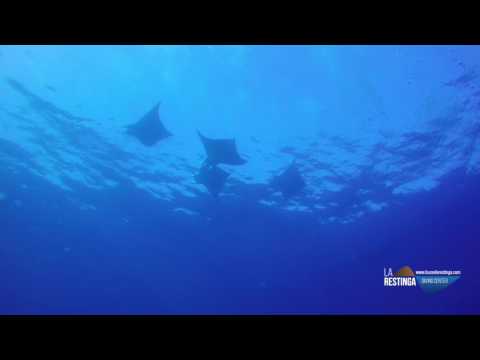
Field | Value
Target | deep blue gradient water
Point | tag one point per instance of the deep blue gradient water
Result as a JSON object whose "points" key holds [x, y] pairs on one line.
{"points": [[93, 222]]}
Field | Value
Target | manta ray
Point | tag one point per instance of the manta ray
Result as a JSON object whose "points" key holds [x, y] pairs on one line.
{"points": [[213, 178], [221, 151], [149, 129], [290, 182]]}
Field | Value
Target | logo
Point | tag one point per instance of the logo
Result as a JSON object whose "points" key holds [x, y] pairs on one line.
{"points": [[430, 281], [403, 277]]}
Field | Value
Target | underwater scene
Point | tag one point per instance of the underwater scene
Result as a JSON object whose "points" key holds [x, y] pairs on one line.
{"points": [[239, 179]]}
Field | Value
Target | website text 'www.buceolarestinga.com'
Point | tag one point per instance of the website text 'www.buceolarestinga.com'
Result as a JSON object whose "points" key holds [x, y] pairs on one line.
{"points": [[439, 272]]}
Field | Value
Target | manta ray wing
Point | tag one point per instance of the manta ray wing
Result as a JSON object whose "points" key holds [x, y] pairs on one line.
{"points": [[221, 151], [149, 129], [213, 178], [290, 182]]}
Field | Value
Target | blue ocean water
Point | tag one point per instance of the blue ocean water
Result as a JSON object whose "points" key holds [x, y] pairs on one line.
{"points": [[387, 139]]}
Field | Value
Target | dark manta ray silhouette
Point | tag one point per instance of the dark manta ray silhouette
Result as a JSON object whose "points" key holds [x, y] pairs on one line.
{"points": [[290, 182], [149, 129], [221, 151], [213, 178]]}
